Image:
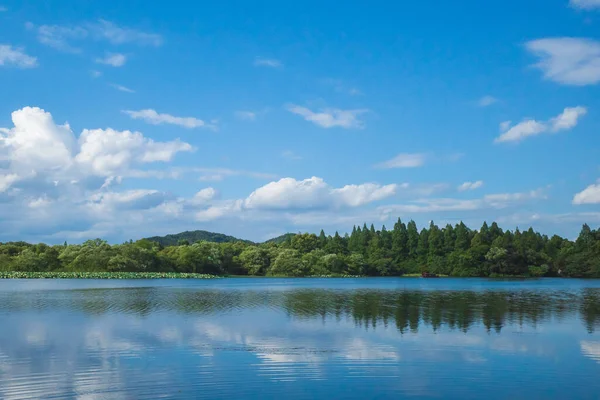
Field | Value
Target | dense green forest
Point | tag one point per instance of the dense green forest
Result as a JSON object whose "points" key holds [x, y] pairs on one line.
{"points": [[451, 250]]}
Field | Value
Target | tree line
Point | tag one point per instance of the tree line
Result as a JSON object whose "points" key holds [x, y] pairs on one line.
{"points": [[450, 250]]}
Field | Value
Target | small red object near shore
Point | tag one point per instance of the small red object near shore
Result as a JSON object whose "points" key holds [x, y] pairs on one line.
{"points": [[428, 275]]}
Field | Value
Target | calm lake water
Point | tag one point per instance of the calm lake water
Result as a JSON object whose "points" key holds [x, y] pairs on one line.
{"points": [[300, 339]]}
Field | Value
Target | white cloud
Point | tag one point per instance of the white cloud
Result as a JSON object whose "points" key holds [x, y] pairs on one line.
{"points": [[122, 88], [245, 115], [470, 186], [58, 37], [95, 74], [120, 35], [566, 120], [404, 160], [495, 201], [331, 117], [152, 117], [113, 59], [486, 101], [205, 195], [290, 155], [570, 61], [37, 147], [589, 195], [267, 62], [340, 87], [585, 4], [16, 56], [288, 193]]}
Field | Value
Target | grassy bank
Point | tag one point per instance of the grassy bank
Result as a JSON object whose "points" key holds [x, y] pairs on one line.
{"points": [[103, 275]]}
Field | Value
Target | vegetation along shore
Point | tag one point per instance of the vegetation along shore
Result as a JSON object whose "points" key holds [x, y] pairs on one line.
{"points": [[404, 250]]}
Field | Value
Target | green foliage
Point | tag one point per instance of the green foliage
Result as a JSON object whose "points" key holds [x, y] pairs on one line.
{"points": [[451, 250], [189, 237]]}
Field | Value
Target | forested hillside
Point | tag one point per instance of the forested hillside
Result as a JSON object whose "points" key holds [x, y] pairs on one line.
{"points": [[450, 250], [193, 237]]}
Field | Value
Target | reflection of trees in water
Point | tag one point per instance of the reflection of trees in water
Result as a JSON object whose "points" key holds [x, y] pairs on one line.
{"points": [[408, 310]]}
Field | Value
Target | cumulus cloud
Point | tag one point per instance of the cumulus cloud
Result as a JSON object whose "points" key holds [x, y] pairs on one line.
{"points": [[564, 121], [566, 60], [404, 160], [152, 117], [585, 4], [331, 117], [205, 195], [267, 62], [113, 59], [38, 147], [289, 193], [589, 195], [16, 56], [470, 186], [60, 37]]}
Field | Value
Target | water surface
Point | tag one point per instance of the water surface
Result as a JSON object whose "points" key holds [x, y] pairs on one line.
{"points": [[300, 338]]}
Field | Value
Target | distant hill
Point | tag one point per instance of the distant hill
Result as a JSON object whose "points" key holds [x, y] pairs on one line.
{"points": [[195, 236], [281, 239]]}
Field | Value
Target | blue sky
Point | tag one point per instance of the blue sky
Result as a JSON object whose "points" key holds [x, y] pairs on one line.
{"points": [[253, 119]]}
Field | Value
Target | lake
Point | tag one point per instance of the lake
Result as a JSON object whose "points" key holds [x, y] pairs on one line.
{"points": [[261, 338]]}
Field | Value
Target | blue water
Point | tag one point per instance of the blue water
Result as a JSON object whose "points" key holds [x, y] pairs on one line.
{"points": [[371, 338]]}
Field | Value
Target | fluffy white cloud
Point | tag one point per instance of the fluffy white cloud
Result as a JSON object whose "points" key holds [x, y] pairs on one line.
{"points": [[59, 37], [267, 62], [486, 101], [16, 56], [585, 4], [152, 117], [109, 152], [122, 88], [205, 195], [113, 59], [470, 186], [564, 121], [404, 160], [589, 195], [570, 61], [289, 193], [37, 147], [331, 117]]}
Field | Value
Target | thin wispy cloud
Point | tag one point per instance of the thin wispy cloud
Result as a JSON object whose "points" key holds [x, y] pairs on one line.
{"points": [[154, 118], [331, 117], [566, 60], [585, 4], [95, 73], [245, 115], [487, 101], [267, 62], [112, 59], [122, 88], [404, 160], [290, 155], [566, 120], [16, 57], [470, 186], [341, 87], [60, 37]]}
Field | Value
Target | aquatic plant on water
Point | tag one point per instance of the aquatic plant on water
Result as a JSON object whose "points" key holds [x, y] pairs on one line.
{"points": [[102, 275]]}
